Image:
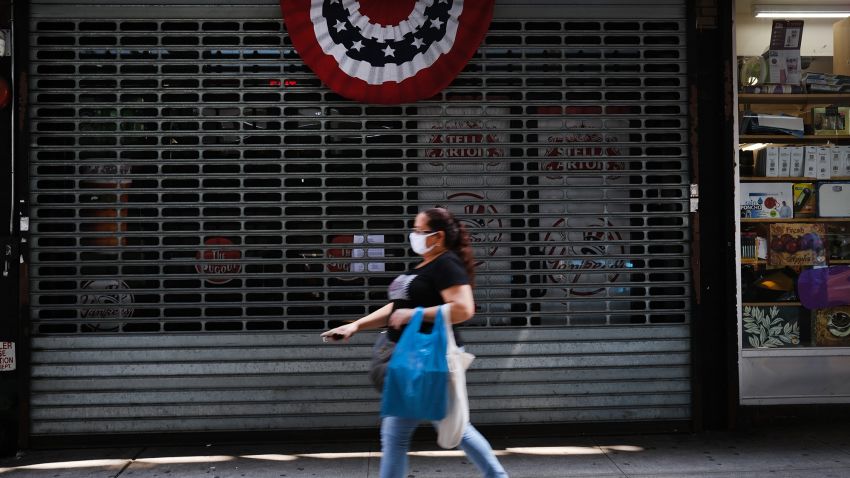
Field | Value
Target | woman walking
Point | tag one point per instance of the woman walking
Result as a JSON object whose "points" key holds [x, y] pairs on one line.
{"points": [[445, 275]]}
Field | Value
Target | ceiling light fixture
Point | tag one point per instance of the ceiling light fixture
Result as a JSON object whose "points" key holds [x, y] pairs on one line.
{"points": [[801, 11]]}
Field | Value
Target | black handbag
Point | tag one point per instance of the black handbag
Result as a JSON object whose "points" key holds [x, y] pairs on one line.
{"points": [[382, 351]]}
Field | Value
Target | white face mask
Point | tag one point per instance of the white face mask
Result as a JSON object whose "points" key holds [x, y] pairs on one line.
{"points": [[417, 242]]}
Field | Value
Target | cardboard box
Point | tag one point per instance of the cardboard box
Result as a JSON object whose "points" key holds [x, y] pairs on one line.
{"points": [[844, 153], [768, 162], [784, 162], [784, 67], [783, 56], [824, 163], [796, 244], [837, 163], [841, 47], [826, 82], [805, 200], [797, 160], [766, 200], [810, 162], [831, 120]]}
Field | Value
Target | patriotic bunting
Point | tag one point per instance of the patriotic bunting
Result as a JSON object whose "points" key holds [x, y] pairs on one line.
{"points": [[387, 52]]}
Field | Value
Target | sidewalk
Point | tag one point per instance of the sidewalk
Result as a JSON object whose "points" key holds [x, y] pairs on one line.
{"points": [[821, 451]]}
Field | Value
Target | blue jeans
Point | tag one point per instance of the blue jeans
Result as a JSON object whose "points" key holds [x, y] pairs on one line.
{"points": [[395, 442]]}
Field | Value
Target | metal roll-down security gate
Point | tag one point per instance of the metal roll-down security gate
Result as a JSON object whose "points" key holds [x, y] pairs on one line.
{"points": [[202, 207]]}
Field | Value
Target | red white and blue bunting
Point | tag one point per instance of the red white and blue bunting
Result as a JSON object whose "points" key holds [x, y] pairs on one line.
{"points": [[387, 51]]}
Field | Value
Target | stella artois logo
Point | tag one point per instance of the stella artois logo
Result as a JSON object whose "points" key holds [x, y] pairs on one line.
{"points": [[481, 220], [573, 265], [474, 142], [105, 299]]}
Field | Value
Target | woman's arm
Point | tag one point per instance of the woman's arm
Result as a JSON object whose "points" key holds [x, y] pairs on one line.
{"points": [[375, 320], [459, 297]]}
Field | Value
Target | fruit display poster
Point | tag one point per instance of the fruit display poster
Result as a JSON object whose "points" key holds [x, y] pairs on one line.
{"points": [[796, 244], [767, 200]]}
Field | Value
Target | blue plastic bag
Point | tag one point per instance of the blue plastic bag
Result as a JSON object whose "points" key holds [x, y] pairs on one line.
{"points": [[416, 382]]}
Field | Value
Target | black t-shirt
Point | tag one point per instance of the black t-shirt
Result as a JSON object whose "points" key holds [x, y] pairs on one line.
{"points": [[421, 288]]}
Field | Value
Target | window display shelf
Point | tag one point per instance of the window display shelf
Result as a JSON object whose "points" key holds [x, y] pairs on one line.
{"points": [[797, 352], [793, 332], [768, 304], [784, 138], [794, 98], [755, 262], [791, 178], [794, 229], [796, 219]]}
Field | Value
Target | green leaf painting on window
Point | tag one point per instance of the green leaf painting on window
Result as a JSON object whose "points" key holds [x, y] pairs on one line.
{"points": [[765, 327]]}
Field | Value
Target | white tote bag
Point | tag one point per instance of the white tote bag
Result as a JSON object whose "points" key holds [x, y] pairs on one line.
{"points": [[450, 429]]}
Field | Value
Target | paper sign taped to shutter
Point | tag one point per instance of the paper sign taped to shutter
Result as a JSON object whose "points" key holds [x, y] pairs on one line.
{"points": [[7, 356]]}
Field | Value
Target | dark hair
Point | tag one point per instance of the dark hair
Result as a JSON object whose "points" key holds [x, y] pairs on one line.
{"points": [[457, 237]]}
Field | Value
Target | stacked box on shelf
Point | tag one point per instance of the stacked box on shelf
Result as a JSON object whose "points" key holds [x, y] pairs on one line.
{"points": [[766, 200], [820, 162], [805, 200], [826, 83], [830, 120], [834, 199]]}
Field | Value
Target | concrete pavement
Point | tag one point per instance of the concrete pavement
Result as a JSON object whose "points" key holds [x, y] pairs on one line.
{"points": [[789, 451]]}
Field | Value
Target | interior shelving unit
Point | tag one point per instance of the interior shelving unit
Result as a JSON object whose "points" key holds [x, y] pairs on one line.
{"points": [[799, 371]]}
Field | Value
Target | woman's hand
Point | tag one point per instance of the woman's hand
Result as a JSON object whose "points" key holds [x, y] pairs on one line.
{"points": [[400, 317], [343, 332]]}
